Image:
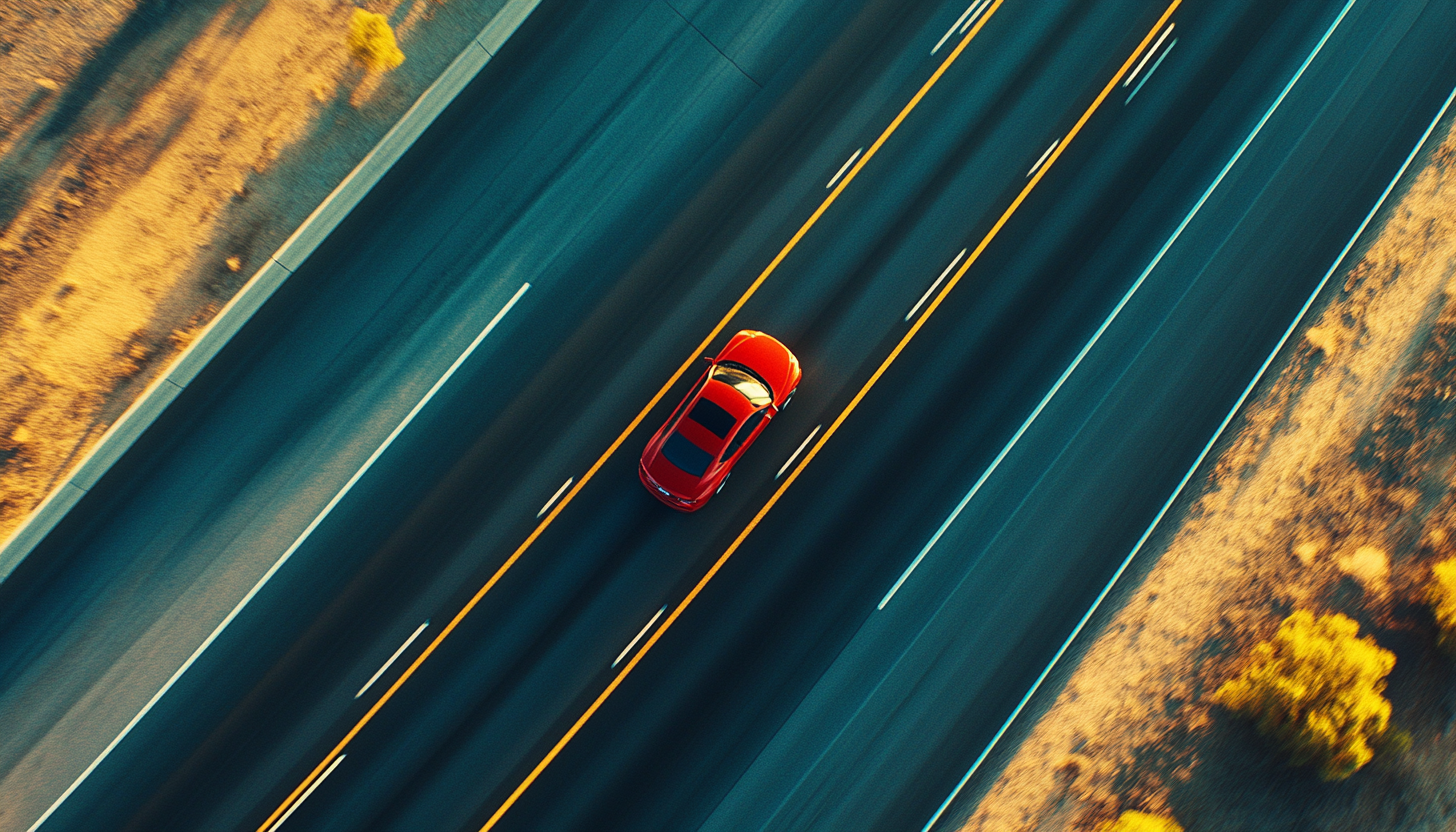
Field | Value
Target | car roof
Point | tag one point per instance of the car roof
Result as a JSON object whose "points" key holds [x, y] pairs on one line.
{"points": [[723, 408], [717, 419]]}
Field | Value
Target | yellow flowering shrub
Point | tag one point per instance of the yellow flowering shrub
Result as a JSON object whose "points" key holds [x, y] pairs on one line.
{"points": [[1139, 822], [371, 41], [1318, 690], [1441, 593]]}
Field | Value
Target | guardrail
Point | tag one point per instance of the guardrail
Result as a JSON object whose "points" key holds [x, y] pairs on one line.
{"points": [[249, 299]]}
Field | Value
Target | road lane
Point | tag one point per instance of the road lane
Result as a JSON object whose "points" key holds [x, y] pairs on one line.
{"points": [[926, 682], [1048, 158], [841, 180], [619, 109], [434, 520], [557, 585], [299, 415], [480, 678]]}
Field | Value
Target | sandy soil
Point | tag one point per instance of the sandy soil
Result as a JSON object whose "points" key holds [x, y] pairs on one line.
{"points": [[43, 46], [152, 154], [1335, 494]]}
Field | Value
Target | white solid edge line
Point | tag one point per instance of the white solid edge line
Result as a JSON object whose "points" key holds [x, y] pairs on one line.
{"points": [[844, 167], [1149, 54], [1117, 310], [924, 297], [299, 802], [802, 445], [1044, 156], [278, 564], [640, 634], [953, 27], [1156, 64], [975, 15], [391, 660], [1191, 471], [556, 496]]}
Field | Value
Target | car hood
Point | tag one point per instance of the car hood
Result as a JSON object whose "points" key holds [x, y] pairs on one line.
{"points": [[766, 356]]}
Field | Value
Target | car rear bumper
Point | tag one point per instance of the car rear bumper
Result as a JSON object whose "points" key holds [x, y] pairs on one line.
{"points": [[666, 497]]}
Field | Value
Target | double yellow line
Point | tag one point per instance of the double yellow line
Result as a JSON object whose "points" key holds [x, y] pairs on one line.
{"points": [[632, 426], [839, 420]]}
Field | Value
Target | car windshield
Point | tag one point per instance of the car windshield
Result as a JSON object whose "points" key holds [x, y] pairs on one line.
{"points": [[744, 382]]}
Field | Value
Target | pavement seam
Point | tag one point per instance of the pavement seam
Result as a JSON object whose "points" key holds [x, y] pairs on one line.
{"points": [[710, 42]]}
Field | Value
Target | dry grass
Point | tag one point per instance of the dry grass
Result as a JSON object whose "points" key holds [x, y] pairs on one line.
{"points": [[94, 258], [1335, 495], [155, 203], [43, 45]]}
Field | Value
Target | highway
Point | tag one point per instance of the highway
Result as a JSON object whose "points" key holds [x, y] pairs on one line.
{"points": [[576, 226]]}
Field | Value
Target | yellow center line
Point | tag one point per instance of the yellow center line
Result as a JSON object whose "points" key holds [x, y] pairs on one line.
{"points": [[839, 420], [636, 421]]}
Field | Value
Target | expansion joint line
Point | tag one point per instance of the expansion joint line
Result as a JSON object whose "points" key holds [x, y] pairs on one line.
{"points": [[718, 49], [839, 420]]}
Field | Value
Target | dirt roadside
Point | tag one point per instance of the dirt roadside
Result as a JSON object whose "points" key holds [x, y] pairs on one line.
{"points": [[153, 153], [1335, 494]]}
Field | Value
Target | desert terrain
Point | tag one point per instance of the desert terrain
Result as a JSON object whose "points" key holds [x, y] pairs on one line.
{"points": [[153, 154]]}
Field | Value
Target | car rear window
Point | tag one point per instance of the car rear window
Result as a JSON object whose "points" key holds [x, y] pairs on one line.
{"points": [[680, 451], [713, 417]]}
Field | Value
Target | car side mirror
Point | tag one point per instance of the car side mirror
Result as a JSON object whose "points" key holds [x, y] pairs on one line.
{"points": [[708, 358]]}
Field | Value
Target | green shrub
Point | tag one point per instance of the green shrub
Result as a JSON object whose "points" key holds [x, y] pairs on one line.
{"points": [[1317, 689], [371, 42], [1139, 822], [1441, 594]]}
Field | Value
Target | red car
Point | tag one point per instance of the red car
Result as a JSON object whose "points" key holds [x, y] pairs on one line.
{"points": [[747, 384]]}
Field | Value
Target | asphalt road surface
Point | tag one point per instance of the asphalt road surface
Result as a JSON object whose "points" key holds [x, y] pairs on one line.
{"points": [[640, 165]]}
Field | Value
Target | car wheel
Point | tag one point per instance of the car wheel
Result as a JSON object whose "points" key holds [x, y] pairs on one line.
{"points": [[723, 483]]}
